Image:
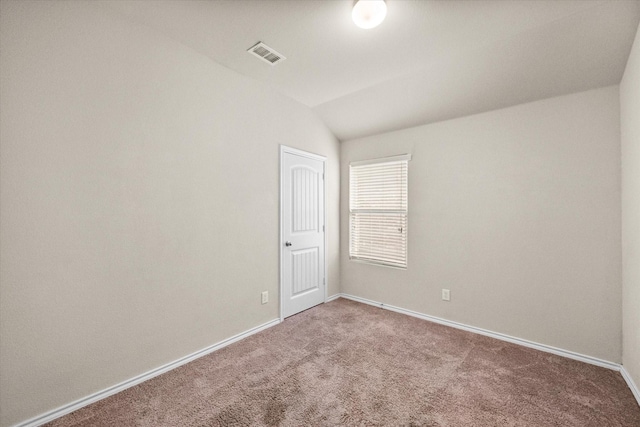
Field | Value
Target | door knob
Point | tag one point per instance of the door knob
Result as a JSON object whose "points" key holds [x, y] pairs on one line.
{"points": [[287, 244]]}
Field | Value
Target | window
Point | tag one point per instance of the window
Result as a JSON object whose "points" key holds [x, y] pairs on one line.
{"points": [[378, 210]]}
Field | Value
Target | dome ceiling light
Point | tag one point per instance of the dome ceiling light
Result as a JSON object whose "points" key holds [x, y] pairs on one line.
{"points": [[369, 13]]}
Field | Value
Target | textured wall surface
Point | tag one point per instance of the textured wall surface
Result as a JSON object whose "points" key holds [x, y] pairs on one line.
{"points": [[517, 212], [630, 129], [139, 201]]}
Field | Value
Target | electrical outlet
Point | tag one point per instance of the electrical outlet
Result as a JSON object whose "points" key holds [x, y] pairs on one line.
{"points": [[265, 297], [446, 295]]}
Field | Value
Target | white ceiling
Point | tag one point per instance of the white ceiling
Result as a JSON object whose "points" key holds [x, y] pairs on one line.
{"points": [[428, 61]]}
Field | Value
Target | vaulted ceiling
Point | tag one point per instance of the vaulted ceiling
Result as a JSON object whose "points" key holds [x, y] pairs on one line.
{"points": [[428, 61]]}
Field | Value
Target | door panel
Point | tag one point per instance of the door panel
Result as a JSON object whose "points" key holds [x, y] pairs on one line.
{"points": [[305, 199], [305, 270], [303, 231]]}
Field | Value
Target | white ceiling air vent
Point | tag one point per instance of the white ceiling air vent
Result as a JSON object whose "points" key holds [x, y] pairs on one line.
{"points": [[265, 53]]}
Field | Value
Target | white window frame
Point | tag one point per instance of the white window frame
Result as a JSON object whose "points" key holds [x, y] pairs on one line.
{"points": [[369, 260]]}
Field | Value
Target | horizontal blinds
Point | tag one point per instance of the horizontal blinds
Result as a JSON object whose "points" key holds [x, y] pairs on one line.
{"points": [[378, 212]]}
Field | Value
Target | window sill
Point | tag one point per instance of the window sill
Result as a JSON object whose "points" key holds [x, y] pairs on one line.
{"points": [[378, 264]]}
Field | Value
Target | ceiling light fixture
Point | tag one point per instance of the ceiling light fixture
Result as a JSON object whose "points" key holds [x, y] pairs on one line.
{"points": [[369, 13]]}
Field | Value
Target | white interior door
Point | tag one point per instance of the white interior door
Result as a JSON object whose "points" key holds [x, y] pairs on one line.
{"points": [[303, 231]]}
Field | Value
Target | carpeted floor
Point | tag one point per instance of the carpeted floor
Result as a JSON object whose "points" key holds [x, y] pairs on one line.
{"points": [[346, 363]]}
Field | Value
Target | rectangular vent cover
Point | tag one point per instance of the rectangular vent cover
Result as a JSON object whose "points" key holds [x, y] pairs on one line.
{"points": [[265, 53]]}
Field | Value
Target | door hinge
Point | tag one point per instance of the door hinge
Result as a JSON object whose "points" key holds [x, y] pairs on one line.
{"points": [[324, 281], [323, 228]]}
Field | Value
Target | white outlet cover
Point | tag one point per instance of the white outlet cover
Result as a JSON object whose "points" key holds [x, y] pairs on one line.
{"points": [[265, 297], [446, 295]]}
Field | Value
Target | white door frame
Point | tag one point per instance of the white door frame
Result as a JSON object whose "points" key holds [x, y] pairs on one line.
{"points": [[284, 149]]}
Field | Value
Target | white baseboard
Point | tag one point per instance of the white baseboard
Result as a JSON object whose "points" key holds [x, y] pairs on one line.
{"points": [[526, 343], [632, 385], [332, 297], [73, 406]]}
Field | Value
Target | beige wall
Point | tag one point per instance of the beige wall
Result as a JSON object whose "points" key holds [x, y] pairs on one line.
{"points": [[630, 126], [517, 212], [139, 201]]}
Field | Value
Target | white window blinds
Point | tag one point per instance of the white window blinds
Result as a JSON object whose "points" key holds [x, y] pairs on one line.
{"points": [[378, 210]]}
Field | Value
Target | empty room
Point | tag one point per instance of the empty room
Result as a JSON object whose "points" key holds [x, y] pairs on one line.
{"points": [[319, 213]]}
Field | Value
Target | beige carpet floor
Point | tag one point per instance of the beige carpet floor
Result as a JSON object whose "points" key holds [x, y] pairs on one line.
{"points": [[346, 363]]}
